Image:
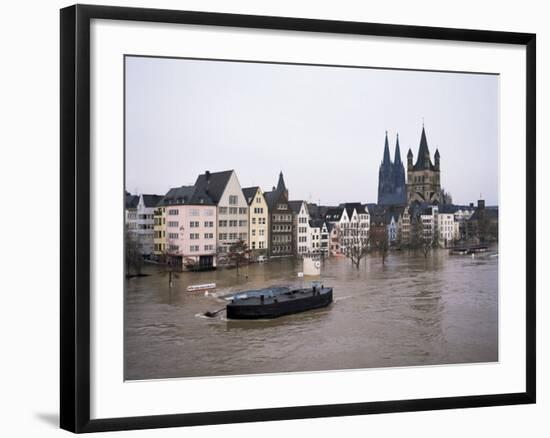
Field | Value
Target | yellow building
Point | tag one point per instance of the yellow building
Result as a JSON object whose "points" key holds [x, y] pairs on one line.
{"points": [[159, 228], [258, 220]]}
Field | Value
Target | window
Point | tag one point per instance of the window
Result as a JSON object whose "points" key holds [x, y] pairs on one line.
{"points": [[174, 248], [208, 235], [233, 236], [258, 200], [222, 223], [261, 245], [282, 207], [223, 236], [242, 236], [209, 247], [194, 236], [173, 224], [209, 224], [253, 221], [233, 210], [173, 212], [194, 224], [173, 235], [242, 210], [233, 223], [261, 232], [242, 223], [194, 248], [223, 210], [253, 232], [233, 199], [194, 212]]}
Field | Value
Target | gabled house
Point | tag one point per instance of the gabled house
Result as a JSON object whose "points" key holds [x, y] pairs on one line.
{"points": [[225, 191], [318, 237], [281, 241], [300, 227], [258, 220], [140, 220], [338, 218]]}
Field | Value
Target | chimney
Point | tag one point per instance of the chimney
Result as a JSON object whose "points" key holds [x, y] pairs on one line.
{"points": [[481, 204], [471, 205], [207, 174]]}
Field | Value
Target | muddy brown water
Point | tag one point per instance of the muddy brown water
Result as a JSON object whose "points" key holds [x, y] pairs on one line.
{"points": [[409, 311]]}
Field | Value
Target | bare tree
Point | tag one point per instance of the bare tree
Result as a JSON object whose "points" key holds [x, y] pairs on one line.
{"points": [[356, 247], [238, 254], [379, 242], [172, 266]]}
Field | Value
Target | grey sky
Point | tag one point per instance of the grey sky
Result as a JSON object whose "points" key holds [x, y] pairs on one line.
{"points": [[322, 126]]}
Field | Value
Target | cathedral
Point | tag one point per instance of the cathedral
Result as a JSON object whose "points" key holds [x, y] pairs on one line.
{"points": [[392, 189], [423, 178]]}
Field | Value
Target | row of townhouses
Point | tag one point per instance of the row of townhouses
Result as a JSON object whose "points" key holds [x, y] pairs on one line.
{"points": [[198, 224]]}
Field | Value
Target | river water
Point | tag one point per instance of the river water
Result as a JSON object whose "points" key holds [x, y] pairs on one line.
{"points": [[409, 311]]}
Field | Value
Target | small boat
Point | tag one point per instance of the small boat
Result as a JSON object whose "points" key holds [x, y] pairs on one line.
{"points": [[205, 286], [277, 301]]}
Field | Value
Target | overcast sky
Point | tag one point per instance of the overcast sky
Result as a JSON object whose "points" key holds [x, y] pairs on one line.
{"points": [[322, 126]]}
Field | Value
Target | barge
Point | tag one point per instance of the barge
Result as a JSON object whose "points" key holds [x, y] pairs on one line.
{"points": [[277, 301]]}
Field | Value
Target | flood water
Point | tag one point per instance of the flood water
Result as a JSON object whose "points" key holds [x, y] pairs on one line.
{"points": [[409, 311]]}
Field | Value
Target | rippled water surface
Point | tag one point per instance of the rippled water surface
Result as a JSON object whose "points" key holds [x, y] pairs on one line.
{"points": [[409, 311]]}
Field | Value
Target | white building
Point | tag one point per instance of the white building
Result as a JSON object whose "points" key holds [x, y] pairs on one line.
{"points": [[300, 215], [338, 218], [445, 225], [140, 219], [428, 220]]}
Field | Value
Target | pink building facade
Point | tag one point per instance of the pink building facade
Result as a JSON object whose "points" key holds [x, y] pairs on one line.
{"points": [[191, 234]]}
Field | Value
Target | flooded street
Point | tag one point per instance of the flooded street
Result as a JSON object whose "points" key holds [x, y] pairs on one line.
{"points": [[409, 311]]}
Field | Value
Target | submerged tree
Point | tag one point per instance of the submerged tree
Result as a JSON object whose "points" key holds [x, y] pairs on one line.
{"points": [[355, 246], [238, 254]]}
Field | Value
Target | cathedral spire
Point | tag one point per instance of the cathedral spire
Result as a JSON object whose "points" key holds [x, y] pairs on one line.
{"points": [[397, 156], [387, 159], [281, 182], [423, 160]]}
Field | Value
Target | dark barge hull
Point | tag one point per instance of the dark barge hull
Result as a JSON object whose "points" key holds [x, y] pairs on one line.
{"points": [[283, 306]]}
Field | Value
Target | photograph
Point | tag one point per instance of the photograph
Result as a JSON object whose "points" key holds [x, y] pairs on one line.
{"points": [[286, 218]]}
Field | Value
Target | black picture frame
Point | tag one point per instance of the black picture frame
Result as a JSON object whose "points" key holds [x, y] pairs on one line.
{"points": [[75, 217]]}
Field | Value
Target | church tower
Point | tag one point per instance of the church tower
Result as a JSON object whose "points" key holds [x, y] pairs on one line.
{"points": [[423, 178], [391, 177]]}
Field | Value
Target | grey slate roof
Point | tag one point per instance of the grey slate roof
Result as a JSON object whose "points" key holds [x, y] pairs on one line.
{"points": [[491, 213], [350, 206], [334, 214], [295, 206], [179, 196], [210, 186], [249, 193], [316, 223], [272, 196], [131, 201], [151, 201]]}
